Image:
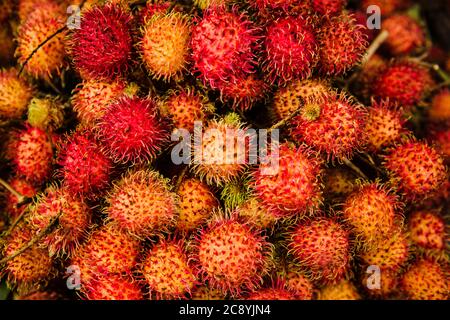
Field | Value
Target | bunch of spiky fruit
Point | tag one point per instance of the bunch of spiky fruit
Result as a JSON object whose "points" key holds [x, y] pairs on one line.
{"points": [[99, 202]]}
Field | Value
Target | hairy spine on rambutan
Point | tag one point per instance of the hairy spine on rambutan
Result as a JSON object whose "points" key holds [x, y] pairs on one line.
{"points": [[112, 287], [406, 35], [15, 93], [344, 290]]}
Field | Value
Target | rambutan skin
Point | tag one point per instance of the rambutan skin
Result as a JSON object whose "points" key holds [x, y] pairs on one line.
{"points": [[141, 203], [342, 44], [322, 245], [344, 290], [85, 170], [427, 230], [328, 7], [294, 187], [223, 44], [416, 168], [439, 109], [15, 94], [102, 46], [230, 255], [290, 50], [243, 93], [112, 287], [406, 36], [131, 130]]}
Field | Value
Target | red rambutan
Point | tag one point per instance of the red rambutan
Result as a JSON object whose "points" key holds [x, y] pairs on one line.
{"points": [[328, 7], [406, 36], [112, 287]]}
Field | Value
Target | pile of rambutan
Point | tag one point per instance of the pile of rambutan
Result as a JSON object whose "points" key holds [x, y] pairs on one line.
{"points": [[223, 149]]}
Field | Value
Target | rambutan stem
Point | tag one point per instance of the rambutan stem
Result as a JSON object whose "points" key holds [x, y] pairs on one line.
{"points": [[8, 187], [284, 121], [33, 241], [180, 178], [375, 45], [352, 166]]}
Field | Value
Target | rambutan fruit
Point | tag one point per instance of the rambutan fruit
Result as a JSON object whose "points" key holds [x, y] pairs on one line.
{"points": [[167, 272], [441, 140], [102, 46], [223, 45], [373, 212], [152, 8], [85, 170], [416, 169], [427, 230], [362, 86], [253, 211], [328, 7], [290, 50], [275, 4], [232, 256], [293, 187], [91, 98], [361, 20], [298, 283], [403, 82], [222, 154], [426, 280], [387, 287], [406, 35], [44, 20], [204, 4], [339, 182], [45, 113], [107, 251], [165, 45], [24, 188], [72, 224], [39, 296], [291, 97], [321, 246], [141, 203], [30, 269], [388, 254], [440, 106], [33, 155], [344, 290], [185, 106], [333, 125], [15, 94], [131, 130], [196, 204], [112, 287], [385, 126], [243, 92], [342, 43], [206, 293], [387, 6], [277, 292]]}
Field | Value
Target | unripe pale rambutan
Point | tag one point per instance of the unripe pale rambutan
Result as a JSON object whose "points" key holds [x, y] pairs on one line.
{"points": [[416, 169], [388, 254], [290, 50], [223, 45], [167, 272], [403, 82], [15, 93], [290, 98], [426, 280], [141, 203], [31, 268], [72, 224], [298, 283], [372, 211], [44, 20], [84, 169], [385, 125], [328, 7], [112, 287], [33, 155], [344, 290], [131, 130], [185, 106], [293, 187], [243, 93], [342, 44], [253, 211], [196, 204], [206, 293], [406, 36], [102, 46], [387, 6], [439, 109], [339, 182], [165, 45], [231, 256], [333, 125], [11, 202], [322, 247], [204, 4], [45, 113], [107, 251], [91, 98], [223, 152], [427, 230]]}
